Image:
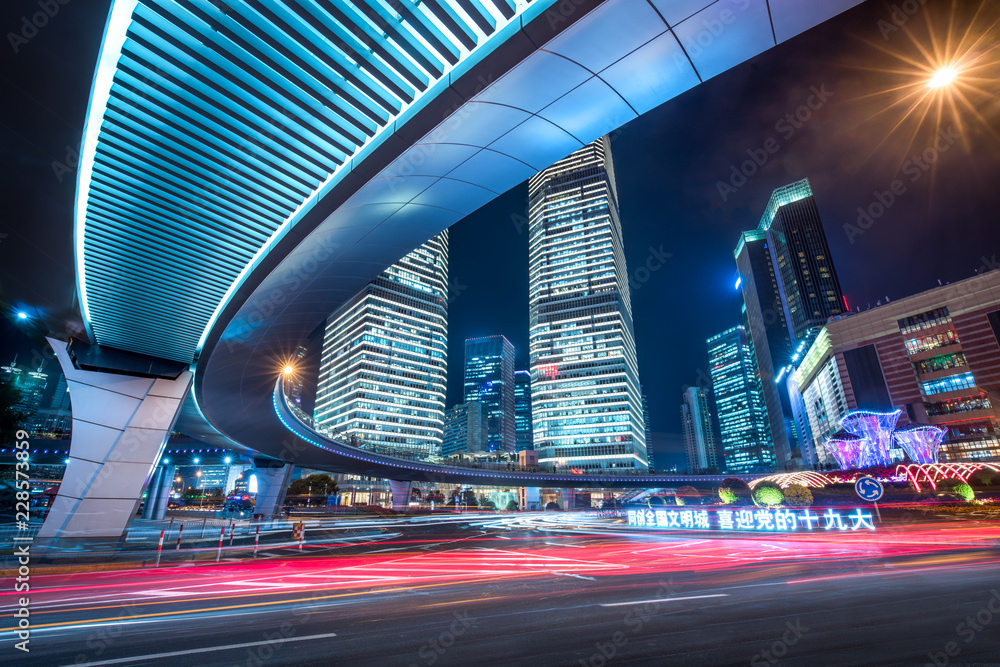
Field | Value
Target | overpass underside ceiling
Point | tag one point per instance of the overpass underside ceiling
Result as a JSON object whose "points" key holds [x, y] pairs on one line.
{"points": [[212, 125]]}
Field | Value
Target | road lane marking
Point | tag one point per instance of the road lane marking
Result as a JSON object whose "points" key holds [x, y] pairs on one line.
{"points": [[578, 576], [690, 597], [209, 649]]}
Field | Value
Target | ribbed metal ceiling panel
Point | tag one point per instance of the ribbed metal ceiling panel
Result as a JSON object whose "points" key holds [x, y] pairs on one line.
{"points": [[223, 119]]}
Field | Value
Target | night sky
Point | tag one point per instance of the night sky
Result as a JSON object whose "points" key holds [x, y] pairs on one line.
{"points": [[669, 165]]}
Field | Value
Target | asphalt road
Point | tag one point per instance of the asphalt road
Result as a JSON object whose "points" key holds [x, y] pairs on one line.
{"points": [[541, 592]]}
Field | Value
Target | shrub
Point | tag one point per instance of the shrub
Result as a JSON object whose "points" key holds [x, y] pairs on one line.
{"points": [[552, 507], [957, 487], [797, 495], [767, 494], [964, 491], [688, 495], [512, 506], [734, 490]]}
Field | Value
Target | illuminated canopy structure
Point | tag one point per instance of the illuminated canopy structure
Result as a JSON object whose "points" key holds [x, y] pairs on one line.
{"points": [[866, 437], [247, 167], [845, 448], [875, 431], [920, 441]]}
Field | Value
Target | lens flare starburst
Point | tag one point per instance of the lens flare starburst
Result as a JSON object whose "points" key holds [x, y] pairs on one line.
{"points": [[944, 75]]}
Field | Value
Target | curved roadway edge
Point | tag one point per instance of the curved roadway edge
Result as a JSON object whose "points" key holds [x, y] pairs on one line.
{"points": [[360, 462], [562, 80]]}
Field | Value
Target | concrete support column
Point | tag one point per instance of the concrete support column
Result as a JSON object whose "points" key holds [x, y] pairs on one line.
{"points": [[152, 494], [529, 499], [120, 426], [272, 484], [400, 495], [158, 493]]}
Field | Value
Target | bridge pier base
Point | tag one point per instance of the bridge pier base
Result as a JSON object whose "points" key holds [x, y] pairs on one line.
{"points": [[121, 423], [272, 485], [529, 499], [400, 495], [158, 493]]}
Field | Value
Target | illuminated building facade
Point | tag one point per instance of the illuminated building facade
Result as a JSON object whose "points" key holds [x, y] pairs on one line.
{"points": [[743, 425], [464, 429], [384, 361], [790, 288], [586, 403], [934, 355], [489, 379], [699, 434], [523, 437], [648, 430]]}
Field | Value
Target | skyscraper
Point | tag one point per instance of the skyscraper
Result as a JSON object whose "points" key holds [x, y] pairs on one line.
{"points": [[586, 403], [464, 429], [646, 429], [699, 434], [384, 362], [790, 289], [746, 436], [489, 379], [522, 411]]}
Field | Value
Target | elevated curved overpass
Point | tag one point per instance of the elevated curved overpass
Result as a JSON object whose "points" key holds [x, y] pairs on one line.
{"points": [[370, 464], [248, 167]]}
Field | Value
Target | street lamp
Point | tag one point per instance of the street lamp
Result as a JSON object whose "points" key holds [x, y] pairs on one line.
{"points": [[225, 483], [201, 498], [942, 77]]}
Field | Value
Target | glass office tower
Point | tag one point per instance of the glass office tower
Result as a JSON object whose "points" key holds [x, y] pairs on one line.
{"points": [[699, 434], [790, 289], [586, 403], [384, 363], [647, 429], [522, 411], [746, 436], [489, 379]]}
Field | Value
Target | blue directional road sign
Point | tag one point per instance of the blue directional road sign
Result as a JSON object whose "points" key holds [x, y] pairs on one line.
{"points": [[868, 488]]}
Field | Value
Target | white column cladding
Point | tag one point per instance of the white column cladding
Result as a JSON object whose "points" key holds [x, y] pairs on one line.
{"points": [[401, 492], [272, 484], [120, 426]]}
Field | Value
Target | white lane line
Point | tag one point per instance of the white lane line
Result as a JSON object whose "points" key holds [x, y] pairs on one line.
{"points": [[575, 546], [209, 649], [691, 597], [578, 576]]}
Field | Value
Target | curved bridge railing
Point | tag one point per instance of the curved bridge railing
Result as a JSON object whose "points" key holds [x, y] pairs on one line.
{"points": [[374, 464]]}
